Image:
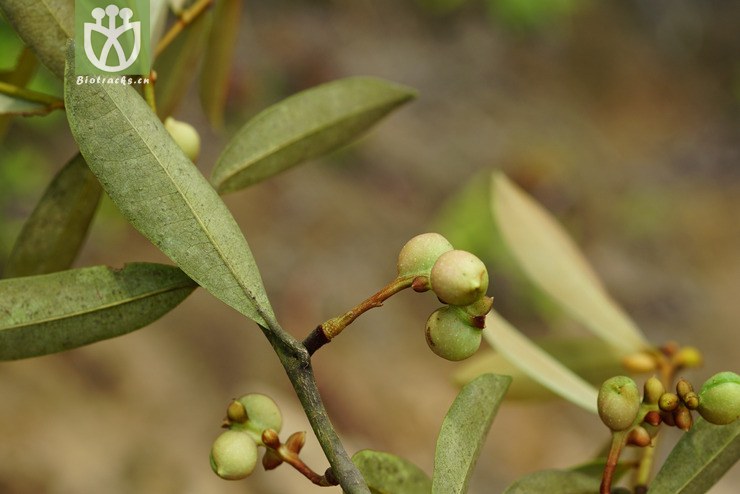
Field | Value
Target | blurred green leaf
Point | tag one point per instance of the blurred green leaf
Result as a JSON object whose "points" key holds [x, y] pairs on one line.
{"points": [[10, 106], [386, 473], [592, 359], [55, 231], [305, 126], [214, 74], [556, 482], [464, 431], [161, 192], [44, 26], [699, 460], [176, 66], [551, 259], [59, 311], [538, 364]]}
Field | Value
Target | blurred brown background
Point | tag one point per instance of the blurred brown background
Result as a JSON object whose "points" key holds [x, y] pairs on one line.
{"points": [[620, 116]]}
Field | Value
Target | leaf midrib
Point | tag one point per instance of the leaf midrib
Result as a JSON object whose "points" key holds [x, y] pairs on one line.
{"points": [[211, 239], [101, 308], [291, 142]]}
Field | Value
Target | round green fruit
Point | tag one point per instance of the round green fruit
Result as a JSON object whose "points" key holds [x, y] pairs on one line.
{"points": [[459, 278], [233, 455], [450, 336], [719, 399], [261, 413], [420, 253], [185, 136], [618, 402]]}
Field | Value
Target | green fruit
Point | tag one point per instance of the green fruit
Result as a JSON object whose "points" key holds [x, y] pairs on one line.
{"points": [[450, 336], [420, 253], [459, 278], [262, 413], [618, 403], [653, 390], [185, 136], [233, 455], [719, 399]]}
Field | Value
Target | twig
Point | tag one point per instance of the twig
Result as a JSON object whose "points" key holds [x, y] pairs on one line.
{"points": [[185, 18], [51, 102], [297, 364], [331, 328]]}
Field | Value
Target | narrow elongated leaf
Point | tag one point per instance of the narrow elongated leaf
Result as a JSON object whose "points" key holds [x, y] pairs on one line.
{"points": [[699, 459], [386, 473], [176, 65], [53, 234], [551, 259], [305, 126], [214, 74], [45, 26], [463, 432], [59, 311], [538, 364], [590, 358], [556, 482], [162, 194]]}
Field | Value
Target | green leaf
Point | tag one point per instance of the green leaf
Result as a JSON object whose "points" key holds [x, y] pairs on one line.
{"points": [[45, 26], [464, 431], [55, 231], [552, 260], [699, 460], [305, 126], [386, 473], [556, 482], [592, 359], [161, 192], [59, 311], [176, 65], [214, 74], [538, 364]]}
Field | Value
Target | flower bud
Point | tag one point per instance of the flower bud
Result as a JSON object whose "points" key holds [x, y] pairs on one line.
{"points": [[618, 402], [481, 307], [639, 363], [668, 402], [639, 437], [450, 336], [185, 136], [682, 417], [719, 398], [295, 442], [236, 412], [653, 418], [459, 278], [683, 388], [688, 357], [271, 460], [420, 253], [653, 390], [233, 455]]}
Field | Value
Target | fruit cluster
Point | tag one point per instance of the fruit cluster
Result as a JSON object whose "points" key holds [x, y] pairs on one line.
{"points": [[460, 280], [621, 409], [234, 452]]}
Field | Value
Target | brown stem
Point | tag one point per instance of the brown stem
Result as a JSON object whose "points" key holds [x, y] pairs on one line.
{"points": [[185, 19], [618, 440], [331, 328]]}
